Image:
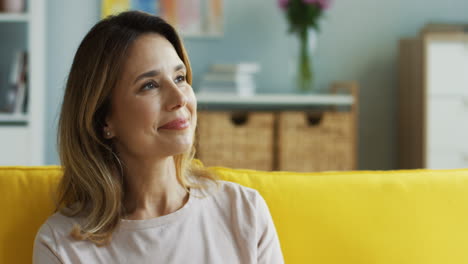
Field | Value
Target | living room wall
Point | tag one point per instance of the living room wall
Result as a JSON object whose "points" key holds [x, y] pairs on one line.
{"points": [[358, 41]]}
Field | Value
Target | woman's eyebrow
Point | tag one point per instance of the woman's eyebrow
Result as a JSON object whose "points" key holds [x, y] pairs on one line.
{"points": [[179, 67], [153, 73]]}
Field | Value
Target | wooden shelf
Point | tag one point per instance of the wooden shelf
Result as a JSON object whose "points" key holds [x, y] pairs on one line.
{"points": [[13, 118], [276, 99], [14, 17]]}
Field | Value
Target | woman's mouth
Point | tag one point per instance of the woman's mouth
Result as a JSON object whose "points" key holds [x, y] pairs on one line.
{"points": [[176, 124]]}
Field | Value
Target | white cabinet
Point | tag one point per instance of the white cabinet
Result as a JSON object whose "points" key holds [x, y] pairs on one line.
{"points": [[22, 136], [446, 122], [433, 100], [447, 64], [447, 159]]}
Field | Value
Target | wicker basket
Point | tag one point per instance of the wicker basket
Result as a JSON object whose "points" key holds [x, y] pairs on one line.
{"points": [[316, 141], [236, 139]]}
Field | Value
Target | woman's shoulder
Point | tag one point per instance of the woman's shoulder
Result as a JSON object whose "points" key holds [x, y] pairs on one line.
{"points": [[52, 236], [220, 189], [234, 189], [57, 226], [225, 194]]}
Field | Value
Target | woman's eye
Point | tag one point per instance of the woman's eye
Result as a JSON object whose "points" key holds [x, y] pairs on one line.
{"points": [[149, 86], [180, 78]]}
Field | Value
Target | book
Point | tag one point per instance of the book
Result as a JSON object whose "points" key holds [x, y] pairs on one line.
{"points": [[20, 98], [227, 77], [244, 67], [17, 92], [241, 84], [16, 67], [230, 79]]}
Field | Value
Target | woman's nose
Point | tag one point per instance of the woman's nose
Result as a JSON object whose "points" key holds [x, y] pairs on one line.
{"points": [[176, 98]]}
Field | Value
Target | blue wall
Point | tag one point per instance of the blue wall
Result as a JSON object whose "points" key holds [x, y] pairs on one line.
{"points": [[359, 41]]}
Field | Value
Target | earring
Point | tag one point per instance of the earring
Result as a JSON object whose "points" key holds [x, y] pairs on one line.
{"points": [[108, 133]]}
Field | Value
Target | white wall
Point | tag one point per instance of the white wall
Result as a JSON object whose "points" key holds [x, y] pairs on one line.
{"points": [[67, 23]]}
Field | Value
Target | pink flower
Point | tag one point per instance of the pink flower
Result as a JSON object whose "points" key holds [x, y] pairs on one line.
{"points": [[324, 4], [283, 4]]}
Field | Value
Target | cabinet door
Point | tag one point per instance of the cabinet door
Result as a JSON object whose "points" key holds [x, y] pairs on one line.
{"points": [[447, 123], [14, 146], [447, 65], [441, 159]]}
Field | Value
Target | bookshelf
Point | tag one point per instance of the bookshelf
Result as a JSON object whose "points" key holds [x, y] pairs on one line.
{"points": [[22, 134]]}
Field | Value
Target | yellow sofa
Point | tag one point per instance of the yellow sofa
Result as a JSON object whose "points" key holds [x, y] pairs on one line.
{"points": [[418, 216]]}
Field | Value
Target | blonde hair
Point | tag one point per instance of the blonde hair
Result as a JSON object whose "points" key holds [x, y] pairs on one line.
{"points": [[92, 186]]}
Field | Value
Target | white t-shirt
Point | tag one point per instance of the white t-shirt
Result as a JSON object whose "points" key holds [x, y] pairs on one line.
{"points": [[229, 225]]}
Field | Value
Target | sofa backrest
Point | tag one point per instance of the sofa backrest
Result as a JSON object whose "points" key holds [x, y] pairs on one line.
{"points": [[418, 216], [26, 202]]}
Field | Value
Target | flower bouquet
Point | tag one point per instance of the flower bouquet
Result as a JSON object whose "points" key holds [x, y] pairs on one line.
{"points": [[303, 15]]}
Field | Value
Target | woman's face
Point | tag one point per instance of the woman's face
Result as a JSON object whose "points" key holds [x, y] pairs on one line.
{"points": [[153, 112]]}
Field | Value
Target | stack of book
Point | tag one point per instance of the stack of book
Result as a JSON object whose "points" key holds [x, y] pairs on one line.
{"points": [[16, 94], [233, 79]]}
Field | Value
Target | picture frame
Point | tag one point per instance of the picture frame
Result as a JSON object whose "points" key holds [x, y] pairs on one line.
{"points": [[191, 18]]}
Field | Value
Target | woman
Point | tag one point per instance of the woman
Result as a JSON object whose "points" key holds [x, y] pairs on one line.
{"points": [[131, 192]]}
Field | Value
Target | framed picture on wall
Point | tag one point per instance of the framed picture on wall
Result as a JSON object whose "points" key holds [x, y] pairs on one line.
{"points": [[192, 18]]}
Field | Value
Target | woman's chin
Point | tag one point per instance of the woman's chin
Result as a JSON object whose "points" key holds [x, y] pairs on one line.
{"points": [[180, 148]]}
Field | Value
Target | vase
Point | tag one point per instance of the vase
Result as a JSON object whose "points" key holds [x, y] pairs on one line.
{"points": [[303, 49]]}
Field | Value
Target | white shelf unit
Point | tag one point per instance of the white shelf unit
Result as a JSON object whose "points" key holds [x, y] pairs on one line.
{"points": [[22, 135], [7, 17], [434, 99], [13, 118]]}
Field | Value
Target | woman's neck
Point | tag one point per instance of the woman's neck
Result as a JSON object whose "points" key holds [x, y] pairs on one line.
{"points": [[152, 189]]}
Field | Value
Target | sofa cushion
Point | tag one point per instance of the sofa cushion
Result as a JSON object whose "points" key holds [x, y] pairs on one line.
{"points": [[415, 216], [26, 202]]}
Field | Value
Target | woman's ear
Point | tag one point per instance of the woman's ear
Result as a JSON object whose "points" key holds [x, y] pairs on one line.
{"points": [[108, 129]]}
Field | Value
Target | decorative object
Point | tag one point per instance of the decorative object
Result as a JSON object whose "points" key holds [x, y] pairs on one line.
{"points": [[192, 18], [304, 15], [12, 6]]}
